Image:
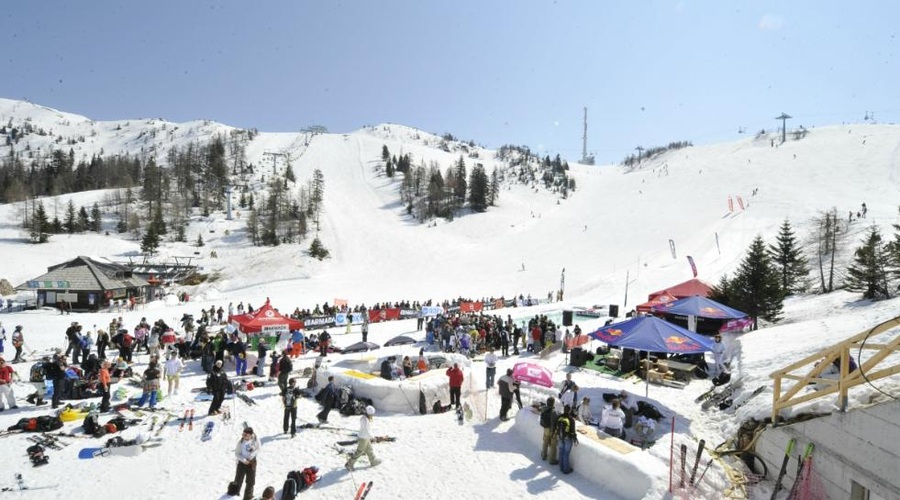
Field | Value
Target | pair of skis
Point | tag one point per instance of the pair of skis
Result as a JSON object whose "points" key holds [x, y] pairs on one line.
{"points": [[363, 490], [187, 418], [684, 478]]}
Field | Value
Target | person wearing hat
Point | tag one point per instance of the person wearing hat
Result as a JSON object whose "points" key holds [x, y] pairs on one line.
{"points": [[7, 374], [246, 451], [217, 385], [364, 445], [18, 340], [718, 352]]}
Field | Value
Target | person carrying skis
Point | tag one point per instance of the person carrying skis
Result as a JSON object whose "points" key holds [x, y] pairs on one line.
{"points": [[364, 445], [290, 406], [246, 451], [7, 374]]}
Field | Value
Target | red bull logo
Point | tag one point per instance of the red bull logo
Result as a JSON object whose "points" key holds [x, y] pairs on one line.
{"points": [[614, 332], [711, 311], [679, 343], [676, 340]]}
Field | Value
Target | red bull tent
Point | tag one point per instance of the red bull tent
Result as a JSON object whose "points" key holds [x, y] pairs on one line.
{"points": [[265, 321], [651, 334]]}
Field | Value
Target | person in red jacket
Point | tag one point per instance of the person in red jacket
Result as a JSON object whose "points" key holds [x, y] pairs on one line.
{"points": [[456, 380]]}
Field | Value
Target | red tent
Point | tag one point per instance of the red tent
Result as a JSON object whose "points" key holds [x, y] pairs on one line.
{"points": [[659, 300], [264, 320], [689, 288]]}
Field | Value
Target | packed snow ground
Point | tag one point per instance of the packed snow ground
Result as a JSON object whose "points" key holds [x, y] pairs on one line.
{"points": [[615, 227]]}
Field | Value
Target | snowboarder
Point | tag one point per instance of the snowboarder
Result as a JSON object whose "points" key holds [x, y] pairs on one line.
{"points": [[364, 445]]}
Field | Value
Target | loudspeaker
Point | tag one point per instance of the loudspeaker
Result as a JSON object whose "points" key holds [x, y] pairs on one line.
{"points": [[567, 318], [614, 310], [576, 357]]}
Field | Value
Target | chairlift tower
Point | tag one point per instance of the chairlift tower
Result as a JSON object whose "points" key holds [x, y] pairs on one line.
{"points": [[784, 117], [585, 159], [275, 160]]}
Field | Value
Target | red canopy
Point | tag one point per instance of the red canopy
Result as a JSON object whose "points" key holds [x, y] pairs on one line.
{"points": [[264, 320], [659, 300], [689, 288]]}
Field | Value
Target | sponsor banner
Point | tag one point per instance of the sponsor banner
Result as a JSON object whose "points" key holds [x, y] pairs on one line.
{"points": [[378, 315], [737, 325], [509, 303], [317, 322], [471, 306], [693, 266], [408, 313], [268, 329], [432, 311]]}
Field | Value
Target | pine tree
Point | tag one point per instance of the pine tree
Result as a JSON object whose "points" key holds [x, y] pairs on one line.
{"points": [[71, 223], [869, 271], [385, 154], [199, 242], [893, 249], [40, 225], [317, 250], [478, 189], [789, 259], [150, 242], [756, 287], [84, 221], [460, 188], [96, 218]]}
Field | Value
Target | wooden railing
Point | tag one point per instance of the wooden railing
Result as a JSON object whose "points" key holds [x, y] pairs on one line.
{"points": [[874, 365]]}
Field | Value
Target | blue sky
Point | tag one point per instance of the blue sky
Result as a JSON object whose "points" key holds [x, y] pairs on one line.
{"points": [[496, 72]]}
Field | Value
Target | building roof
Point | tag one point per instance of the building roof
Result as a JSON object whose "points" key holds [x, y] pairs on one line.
{"points": [[85, 273]]}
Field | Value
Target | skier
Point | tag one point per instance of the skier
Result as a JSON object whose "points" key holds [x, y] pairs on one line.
{"points": [[7, 374], [246, 451], [364, 445]]}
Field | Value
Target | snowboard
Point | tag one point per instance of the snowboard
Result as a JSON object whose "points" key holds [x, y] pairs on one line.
{"points": [[722, 395], [728, 402], [207, 431]]}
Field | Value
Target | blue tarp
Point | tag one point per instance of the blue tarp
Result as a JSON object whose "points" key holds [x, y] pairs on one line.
{"points": [[700, 307], [649, 333]]}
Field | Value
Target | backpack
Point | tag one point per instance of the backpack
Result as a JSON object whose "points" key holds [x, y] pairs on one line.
{"points": [[37, 373], [547, 418], [91, 424]]}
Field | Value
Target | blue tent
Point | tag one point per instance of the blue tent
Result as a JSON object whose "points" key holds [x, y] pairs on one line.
{"points": [[649, 333], [701, 307]]}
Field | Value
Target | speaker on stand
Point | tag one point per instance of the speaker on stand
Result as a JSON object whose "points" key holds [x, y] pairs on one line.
{"points": [[567, 318], [614, 310]]}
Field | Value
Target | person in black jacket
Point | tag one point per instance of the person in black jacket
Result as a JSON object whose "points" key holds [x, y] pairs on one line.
{"points": [[506, 386], [324, 340], [217, 385], [285, 366], [387, 371], [151, 385], [329, 399], [55, 369], [290, 406]]}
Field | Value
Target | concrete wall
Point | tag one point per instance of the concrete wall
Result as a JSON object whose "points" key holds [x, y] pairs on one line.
{"points": [[862, 445]]}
